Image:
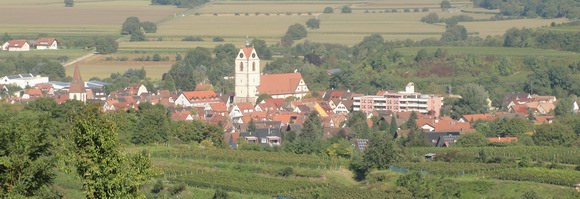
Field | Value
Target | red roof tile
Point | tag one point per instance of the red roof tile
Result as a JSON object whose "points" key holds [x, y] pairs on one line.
{"points": [[16, 43], [198, 95], [275, 84], [44, 41]]}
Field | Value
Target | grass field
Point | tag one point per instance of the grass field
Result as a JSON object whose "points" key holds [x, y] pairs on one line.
{"points": [[97, 66], [486, 28]]}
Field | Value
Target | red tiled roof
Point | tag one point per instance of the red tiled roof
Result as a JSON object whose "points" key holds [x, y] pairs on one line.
{"points": [[276, 101], [18, 43], [218, 107], [247, 52], [476, 117], [275, 84], [34, 92], [544, 119], [44, 41], [520, 108], [245, 106], [191, 95], [77, 85]]}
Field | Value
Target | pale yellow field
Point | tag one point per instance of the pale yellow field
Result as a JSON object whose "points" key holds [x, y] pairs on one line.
{"points": [[267, 8], [50, 16], [499, 27], [97, 67], [230, 26]]}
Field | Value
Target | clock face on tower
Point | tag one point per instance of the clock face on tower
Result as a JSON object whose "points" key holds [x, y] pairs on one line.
{"points": [[241, 55]]}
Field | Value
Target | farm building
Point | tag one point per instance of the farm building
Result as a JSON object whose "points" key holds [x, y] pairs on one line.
{"points": [[46, 44], [16, 45], [23, 80]]}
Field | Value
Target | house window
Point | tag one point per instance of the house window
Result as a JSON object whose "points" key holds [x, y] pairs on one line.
{"points": [[241, 66]]}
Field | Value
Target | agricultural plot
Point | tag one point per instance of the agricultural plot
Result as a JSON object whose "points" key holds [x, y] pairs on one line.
{"points": [[511, 52], [485, 28], [86, 18], [98, 66]]}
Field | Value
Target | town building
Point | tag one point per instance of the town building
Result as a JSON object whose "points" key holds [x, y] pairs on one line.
{"points": [[402, 101], [250, 83], [77, 89], [46, 44], [16, 45], [24, 80]]}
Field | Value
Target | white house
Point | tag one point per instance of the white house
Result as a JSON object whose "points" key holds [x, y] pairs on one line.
{"points": [[23, 80], [16, 45], [46, 44]]}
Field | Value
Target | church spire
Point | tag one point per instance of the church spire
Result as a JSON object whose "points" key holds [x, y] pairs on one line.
{"points": [[77, 85]]}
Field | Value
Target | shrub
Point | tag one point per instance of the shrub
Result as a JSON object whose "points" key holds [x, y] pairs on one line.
{"points": [[425, 10], [328, 10], [406, 10], [287, 171], [192, 38], [177, 189], [157, 187], [394, 10], [416, 10], [218, 39]]}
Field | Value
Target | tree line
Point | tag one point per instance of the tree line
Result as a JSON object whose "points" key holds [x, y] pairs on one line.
{"points": [[533, 8], [180, 3]]}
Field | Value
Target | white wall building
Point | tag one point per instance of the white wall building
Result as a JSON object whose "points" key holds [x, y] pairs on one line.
{"points": [[23, 80]]}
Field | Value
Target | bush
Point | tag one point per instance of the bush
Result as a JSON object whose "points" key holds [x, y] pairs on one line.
{"points": [[328, 10], [192, 38], [346, 9], [416, 10], [177, 189], [425, 10], [394, 10], [578, 168], [156, 57], [218, 39], [406, 10], [157, 187], [555, 166], [220, 194], [287, 171]]}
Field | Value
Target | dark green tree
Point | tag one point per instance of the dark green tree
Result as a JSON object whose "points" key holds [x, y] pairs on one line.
{"points": [[563, 107], [473, 101], [149, 27], [555, 134], [431, 18], [454, 33], [417, 184], [381, 151], [27, 156], [505, 67], [328, 10], [313, 23], [472, 140], [252, 126], [445, 4], [131, 26], [357, 121], [69, 3], [106, 45], [412, 122], [104, 170], [393, 125], [226, 52], [220, 194], [422, 55], [153, 124], [137, 36], [296, 32], [346, 9], [312, 127], [262, 49]]}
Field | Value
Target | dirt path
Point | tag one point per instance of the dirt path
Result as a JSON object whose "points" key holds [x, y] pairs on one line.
{"points": [[80, 59]]}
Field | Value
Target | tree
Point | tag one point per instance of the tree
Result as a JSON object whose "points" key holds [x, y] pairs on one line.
{"points": [[431, 18], [472, 140], [340, 149], [226, 52], [422, 55], [555, 134], [137, 36], [152, 125], [473, 101], [220, 194], [262, 49], [149, 27], [69, 3], [412, 122], [130, 26], [454, 33], [312, 127], [296, 32], [381, 151], [106, 45], [393, 125], [445, 4], [505, 66], [286, 41], [27, 158], [313, 23], [346, 9], [251, 126], [417, 184], [328, 10], [104, 170], [563, 107]]}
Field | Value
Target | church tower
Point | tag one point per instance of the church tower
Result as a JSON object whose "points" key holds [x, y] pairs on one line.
{"points": [[247, 78], [77, 89]]}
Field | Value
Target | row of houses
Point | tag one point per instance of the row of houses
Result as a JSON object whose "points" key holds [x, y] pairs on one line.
{"points": [[25, 45]]}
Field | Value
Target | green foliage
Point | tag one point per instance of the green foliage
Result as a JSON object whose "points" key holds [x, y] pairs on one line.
{"points": [[220, 194], [262, 97], [27, 158], [418, 184], [357, 121], [106, 45], [340, 149], [556, 134], [563, 107], [180, 3], [328, 10], [104, 170], [131, 26], [313, 23], [454, 33], [191, 70], [69, 3], [262, 49], [158, 187], [505, 66], [431, 18], [473, 101], [312, 127], [177, 189], [422, 55], [149, 27], [346, 9], [296, 32], [530, 195], [35, 65], [359, 167], [412, 122], [252, 126], [218, 39], [445, 4], [286, 171], [381, 152], [192, 38], [472, 140], [509, 127]]}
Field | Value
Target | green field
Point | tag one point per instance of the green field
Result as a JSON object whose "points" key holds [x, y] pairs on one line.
{"points": [[253, 174], [510, 52]]}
